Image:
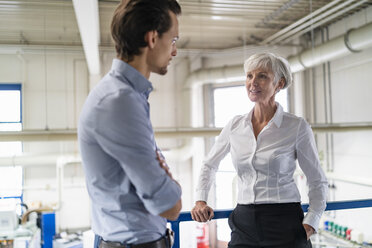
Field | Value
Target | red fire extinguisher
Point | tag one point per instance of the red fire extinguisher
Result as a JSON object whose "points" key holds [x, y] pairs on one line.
{"points": [[202, 237]]}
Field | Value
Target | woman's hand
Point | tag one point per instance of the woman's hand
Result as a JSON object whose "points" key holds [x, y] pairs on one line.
{"points": [[202, 212], [309, 230]]}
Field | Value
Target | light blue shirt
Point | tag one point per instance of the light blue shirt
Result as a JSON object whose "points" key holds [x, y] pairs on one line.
{"points": [[127, 187]]}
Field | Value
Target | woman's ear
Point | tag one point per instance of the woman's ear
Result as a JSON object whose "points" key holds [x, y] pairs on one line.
{"points": [[151, 37], [281, 83]]}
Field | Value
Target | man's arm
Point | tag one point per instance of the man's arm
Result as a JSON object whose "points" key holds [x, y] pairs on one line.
{"points": [[174, 212], [126, 134]]}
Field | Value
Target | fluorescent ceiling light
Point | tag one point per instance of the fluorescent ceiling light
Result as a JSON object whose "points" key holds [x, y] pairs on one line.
{"points": [[214, 17]]}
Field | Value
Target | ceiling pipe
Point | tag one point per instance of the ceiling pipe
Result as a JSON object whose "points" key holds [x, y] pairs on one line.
{"points": [[70, 135], [29, 160], [180, 154], [355, 40], [36, 159], [226, 74], [331, 14], [300, 22], [39, 135], [60, 163], [322, 21]]}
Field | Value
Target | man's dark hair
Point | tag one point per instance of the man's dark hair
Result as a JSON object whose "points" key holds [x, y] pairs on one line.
{"points": [[134, 18]]}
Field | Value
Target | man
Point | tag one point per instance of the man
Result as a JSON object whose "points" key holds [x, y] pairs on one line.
{"points": [[131, 189]]}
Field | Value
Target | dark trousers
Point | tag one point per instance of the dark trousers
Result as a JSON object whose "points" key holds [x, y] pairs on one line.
{"points": [[268, 226], [164, 242]]}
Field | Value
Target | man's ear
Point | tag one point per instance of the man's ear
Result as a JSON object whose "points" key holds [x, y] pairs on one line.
{"points": [[151, 38]]}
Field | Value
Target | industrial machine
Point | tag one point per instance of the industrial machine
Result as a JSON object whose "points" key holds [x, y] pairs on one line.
{"points": [[36, 229]]}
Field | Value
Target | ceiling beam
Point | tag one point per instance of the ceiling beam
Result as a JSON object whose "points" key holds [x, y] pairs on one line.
{"points": [[87, 17]]}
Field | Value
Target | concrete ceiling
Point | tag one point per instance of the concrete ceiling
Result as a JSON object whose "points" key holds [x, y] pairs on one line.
{"points": [[212, 24]]}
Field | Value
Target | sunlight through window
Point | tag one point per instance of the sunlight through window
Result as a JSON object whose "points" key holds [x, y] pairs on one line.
{"points": [[10, 120]]}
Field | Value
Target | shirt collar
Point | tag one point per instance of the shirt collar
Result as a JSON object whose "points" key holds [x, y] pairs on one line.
{"points": [[134, 77], [277, 118]]}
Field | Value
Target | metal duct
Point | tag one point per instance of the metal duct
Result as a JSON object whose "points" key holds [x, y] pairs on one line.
{"points": [[31, 160], [180, 154], [35, 160], [355, 40], [224, 74]]}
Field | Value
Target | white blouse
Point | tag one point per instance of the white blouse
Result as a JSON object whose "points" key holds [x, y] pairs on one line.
{"points": [[265, 166]]}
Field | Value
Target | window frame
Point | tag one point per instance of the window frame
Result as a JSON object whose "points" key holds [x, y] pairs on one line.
{"points": [[9, 87], [14, 87]]}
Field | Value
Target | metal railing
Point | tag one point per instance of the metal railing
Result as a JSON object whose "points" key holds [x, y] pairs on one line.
{"points": [[221, 214]]}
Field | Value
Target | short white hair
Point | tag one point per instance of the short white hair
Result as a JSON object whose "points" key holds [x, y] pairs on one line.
{"points": [[269, 61]]}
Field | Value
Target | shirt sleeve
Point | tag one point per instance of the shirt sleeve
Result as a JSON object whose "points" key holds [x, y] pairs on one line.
{"points": [[210, 165], [308, 160], [125, 133]]}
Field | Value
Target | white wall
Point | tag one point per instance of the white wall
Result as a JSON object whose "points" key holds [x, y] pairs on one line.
{"points": [[346, 93], [54, 86]]}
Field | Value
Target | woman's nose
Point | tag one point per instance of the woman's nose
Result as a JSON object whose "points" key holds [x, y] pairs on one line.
{"points": [[254, 81]]}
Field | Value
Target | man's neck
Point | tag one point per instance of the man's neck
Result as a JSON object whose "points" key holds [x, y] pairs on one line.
{"points": [[139, 63]]}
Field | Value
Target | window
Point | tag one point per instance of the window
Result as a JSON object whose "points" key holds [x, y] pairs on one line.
{"points": [[11, 177], [231, 101], [228, 102], [10, 107]]}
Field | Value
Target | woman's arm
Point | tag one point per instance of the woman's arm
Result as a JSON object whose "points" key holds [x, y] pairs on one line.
{"points": [[202, 212], [307, 155]]}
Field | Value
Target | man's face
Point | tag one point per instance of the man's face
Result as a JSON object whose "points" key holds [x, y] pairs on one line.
{"points": [[165, 48]]}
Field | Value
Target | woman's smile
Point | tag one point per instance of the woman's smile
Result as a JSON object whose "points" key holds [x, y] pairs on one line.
{"points": [[255, 91]]}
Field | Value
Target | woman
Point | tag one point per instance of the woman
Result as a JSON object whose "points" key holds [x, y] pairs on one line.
{"points": [[264, 145]]}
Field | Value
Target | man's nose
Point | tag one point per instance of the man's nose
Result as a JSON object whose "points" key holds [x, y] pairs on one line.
{"points": [[174, 51]]}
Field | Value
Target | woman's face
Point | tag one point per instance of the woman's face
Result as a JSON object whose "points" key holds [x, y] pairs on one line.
{"points": [[260, 85]]}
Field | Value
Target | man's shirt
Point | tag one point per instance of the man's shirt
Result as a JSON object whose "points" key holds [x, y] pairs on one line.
{"points": [[265, 166], [127, 186]]}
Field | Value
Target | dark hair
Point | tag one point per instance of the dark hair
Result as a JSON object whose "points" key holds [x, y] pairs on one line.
{"points": [[134, 18]]}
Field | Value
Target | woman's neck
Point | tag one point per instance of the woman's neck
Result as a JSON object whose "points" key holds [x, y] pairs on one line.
{"points": [[263, 113]]}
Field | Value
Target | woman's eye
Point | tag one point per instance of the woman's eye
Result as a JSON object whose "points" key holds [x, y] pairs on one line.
{"points": [[249, 76]]}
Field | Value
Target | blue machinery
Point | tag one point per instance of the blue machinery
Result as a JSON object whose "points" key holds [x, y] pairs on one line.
{"points": [[48, 229], [221, 214]]}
